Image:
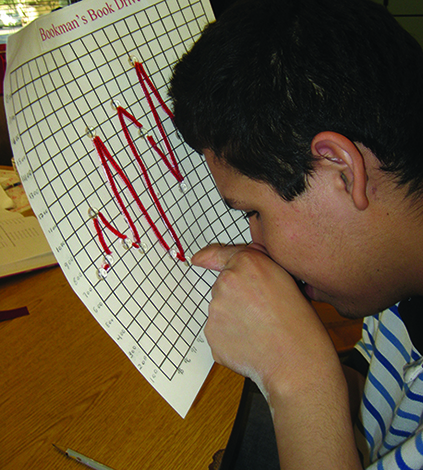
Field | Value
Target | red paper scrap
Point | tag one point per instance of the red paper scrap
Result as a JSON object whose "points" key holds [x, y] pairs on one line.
{"points": [[15, 313]]}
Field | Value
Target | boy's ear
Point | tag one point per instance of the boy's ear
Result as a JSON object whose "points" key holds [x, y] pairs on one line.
{"points": [[347, 161]]}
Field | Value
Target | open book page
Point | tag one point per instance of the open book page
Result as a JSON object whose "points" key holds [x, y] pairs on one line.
{"points": [[122, 200], [23, 246]]}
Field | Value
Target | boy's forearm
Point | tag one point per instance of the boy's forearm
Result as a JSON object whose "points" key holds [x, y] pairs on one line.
{"points": [[355, 382], [313, 423]]}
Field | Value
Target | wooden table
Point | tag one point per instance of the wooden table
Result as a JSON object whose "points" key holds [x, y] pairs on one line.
{"points": [[64, 381]]}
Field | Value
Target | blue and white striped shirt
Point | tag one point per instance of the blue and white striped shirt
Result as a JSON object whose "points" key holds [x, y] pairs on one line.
{"points": [[389, 432]]}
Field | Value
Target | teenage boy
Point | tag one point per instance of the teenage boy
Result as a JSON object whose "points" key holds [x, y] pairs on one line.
{"points": [[309, 114]]}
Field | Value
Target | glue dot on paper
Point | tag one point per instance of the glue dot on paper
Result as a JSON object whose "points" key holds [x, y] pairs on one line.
{"points": [[115, 104], [132, 60], [125, 243], [92, 213], [142, 132], [102, 273], [90, 131], [108, 259], [188, 261], [143, 248], [173, 253], [183, 187]]}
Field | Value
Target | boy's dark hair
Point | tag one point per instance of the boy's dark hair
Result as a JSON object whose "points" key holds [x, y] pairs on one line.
{"points": [[269, 75]]}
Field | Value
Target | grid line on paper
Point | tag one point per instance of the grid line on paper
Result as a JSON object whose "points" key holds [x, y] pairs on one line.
{"points": [[163, 313]]}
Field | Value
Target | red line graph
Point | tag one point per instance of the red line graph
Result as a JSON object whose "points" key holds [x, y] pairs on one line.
{"points": [[108, 162]]}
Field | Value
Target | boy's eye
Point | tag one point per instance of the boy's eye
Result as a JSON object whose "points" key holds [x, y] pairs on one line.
{"points": [[250, 214]]}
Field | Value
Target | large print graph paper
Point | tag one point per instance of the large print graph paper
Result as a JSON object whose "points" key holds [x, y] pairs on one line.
{"points": [[122, 200]]}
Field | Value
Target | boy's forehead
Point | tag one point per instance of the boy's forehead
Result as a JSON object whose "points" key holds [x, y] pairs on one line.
{"points": [[228, 179]]}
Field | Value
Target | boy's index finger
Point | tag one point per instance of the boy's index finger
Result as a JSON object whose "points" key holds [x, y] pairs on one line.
{"points": [[215, 257]]}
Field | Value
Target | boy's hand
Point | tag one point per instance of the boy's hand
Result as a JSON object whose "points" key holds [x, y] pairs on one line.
{"points": [[260, 325]]}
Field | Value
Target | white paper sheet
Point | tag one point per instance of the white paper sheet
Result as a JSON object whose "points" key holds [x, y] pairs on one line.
{"points": [[67, 75]]}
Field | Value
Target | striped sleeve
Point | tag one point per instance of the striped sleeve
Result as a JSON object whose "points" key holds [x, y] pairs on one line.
{"points": [[388, 431], [407, 456]]}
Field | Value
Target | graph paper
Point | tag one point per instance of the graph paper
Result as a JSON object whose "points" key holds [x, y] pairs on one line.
{"points": [[122, 200]]}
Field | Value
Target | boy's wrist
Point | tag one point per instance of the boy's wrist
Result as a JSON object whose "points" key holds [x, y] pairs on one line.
{"points": [[313, 423], [322, 376]]}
